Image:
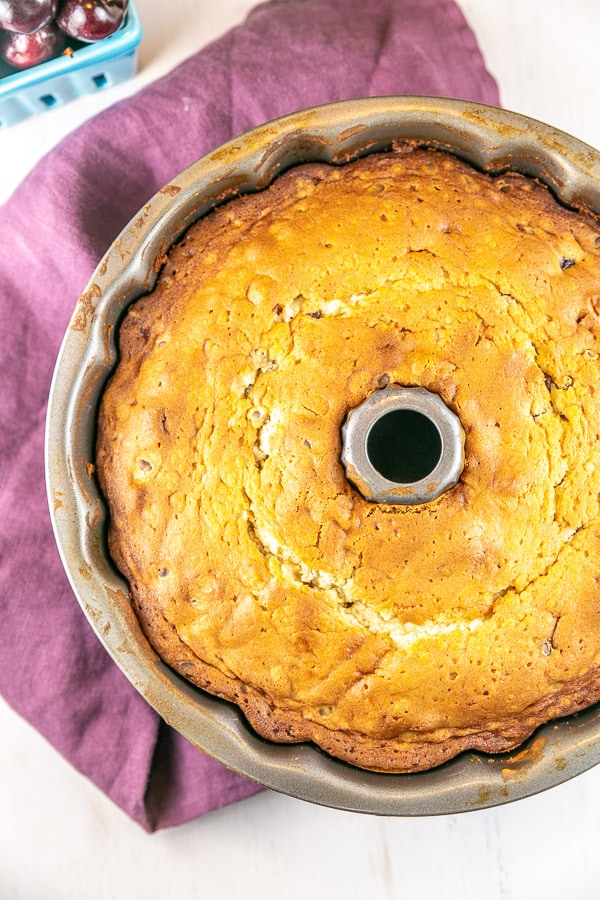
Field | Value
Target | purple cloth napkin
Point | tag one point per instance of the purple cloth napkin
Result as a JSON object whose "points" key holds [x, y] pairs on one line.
{"points": [[287, 55]]}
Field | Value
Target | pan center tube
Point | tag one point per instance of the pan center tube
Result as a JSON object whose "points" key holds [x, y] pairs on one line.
{"points": [[402, 445]]}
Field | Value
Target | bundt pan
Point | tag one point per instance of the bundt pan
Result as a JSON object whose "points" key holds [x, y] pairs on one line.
{"points": [[489, 138]]}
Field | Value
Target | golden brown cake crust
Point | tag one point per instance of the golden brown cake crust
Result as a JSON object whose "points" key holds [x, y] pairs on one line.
{"points": [[393, 637]]}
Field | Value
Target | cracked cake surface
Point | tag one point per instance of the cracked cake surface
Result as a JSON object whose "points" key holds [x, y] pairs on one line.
{"points": [[392, 636]]}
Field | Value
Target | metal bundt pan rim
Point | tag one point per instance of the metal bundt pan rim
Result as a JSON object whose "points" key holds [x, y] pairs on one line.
{"points": [[491, 139]]}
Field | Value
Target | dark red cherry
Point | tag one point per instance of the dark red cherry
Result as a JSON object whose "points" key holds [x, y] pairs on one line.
{"points": [[26, 16], [91, 20], [25, 50]]}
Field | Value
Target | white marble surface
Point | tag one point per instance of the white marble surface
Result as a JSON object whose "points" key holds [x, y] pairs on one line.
{"points": [[60, 839]]}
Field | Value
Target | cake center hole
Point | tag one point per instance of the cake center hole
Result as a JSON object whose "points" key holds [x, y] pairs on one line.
{"points": [[404, 446]]}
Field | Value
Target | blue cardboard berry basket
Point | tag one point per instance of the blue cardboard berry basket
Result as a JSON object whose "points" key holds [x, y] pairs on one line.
{"points": [[90, 68]]}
